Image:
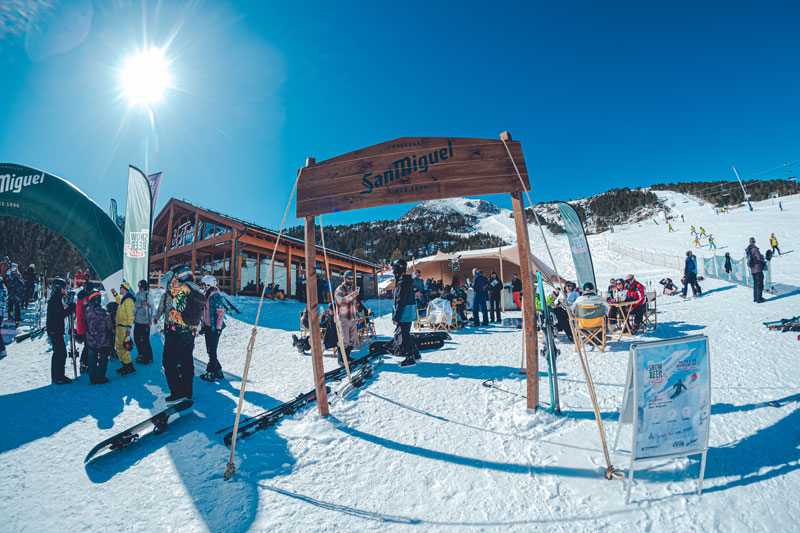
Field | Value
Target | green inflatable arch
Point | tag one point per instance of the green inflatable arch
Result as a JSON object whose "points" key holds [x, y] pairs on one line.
{"points": [[57, 204]]}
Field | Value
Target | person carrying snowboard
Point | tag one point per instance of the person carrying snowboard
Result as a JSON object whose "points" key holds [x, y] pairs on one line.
{"points": [[756, 262], [403, 312], [124, 321], [59, 307], [99, 339], [212, 326], [774, 243]]}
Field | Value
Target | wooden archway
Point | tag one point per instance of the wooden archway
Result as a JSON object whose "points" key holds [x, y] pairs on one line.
{"points": [[412, 169]]}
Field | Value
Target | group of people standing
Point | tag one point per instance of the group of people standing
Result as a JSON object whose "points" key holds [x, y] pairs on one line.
{"points": [[111, 332]]}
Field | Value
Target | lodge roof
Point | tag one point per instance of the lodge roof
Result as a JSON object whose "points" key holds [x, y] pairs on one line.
{"points": [[261, 228]]}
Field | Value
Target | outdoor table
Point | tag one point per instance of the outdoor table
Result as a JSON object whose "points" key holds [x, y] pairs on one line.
{"points": [[623, 317]]}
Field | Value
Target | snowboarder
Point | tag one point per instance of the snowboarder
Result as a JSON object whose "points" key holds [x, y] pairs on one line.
{"points": [[179, 336], [59, 307], [99, 339], [124, 321], [347, 305], [690, 276], [756, 263], [678, 387], [774, 243], [479, 284], [495, 293], [404, 312], [711, 243], [213, 324], [696, 242], [142, 319], [516, 290]]}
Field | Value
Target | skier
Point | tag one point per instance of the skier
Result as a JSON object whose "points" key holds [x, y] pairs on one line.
{"points": [[693, 232], [516, 290], [711, 243], [690, 276], [346, 302], [479, 285], [142, 319], [99, 339], [702, 231], [29, 276], [213, 324], [678, 387], [124, 321], [178, 336], [696, 242], [774, 243], [403, 312], [669, 225], [2, 314], [682, 220], [756, 263], [495, 293], [780, 205], [59, 307]]}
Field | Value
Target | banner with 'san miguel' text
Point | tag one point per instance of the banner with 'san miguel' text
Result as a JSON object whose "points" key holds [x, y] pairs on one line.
{"points": [[138, 220], [578, 245]]}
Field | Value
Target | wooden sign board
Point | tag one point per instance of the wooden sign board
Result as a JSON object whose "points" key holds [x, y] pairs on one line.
{"points": [[410, 169]]}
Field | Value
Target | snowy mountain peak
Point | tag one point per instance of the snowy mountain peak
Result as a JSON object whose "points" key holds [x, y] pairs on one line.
{"points": [[462, 206]]}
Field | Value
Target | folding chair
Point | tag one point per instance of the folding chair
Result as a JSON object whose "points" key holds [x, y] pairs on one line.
{"points": [[421, 321], [454, 324], [650, 318], [439, 314], [592, 327]]}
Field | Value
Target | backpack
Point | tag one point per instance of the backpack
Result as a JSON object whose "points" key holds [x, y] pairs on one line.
{"points": [[98, 334], [192, 314]]}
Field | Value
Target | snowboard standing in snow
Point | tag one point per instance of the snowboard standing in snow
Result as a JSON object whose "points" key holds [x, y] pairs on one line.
{"points": [[549, 350], [122, 440]]}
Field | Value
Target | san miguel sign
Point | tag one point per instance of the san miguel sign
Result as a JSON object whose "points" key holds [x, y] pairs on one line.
{"points": [[410, 169]]}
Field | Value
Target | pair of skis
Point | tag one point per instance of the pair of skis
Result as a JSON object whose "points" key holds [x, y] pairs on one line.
{"points": [[785, 324], [549, 350]]}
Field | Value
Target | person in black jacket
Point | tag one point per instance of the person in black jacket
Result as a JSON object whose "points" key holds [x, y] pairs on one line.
{"points": [[495, 293], [479, 285], [30, 282], [16, 293], [516, 290], [403, 313], [57, 311]]}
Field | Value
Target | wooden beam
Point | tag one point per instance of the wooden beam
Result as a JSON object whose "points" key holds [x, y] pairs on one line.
{"points": [[288, 288], [169, 237], [528, 312], [233, 264], [194, 244], [313, 319]]}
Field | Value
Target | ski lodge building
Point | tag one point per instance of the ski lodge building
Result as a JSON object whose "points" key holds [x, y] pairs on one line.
{"points": [[238, 253]]}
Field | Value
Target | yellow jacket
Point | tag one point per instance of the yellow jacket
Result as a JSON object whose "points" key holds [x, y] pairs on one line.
{"points": [[125, 311]]}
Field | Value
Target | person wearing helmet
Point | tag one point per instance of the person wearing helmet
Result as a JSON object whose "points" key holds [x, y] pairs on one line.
{"points": [[346, 296], [212, 325], [16, 293], [57, 310], [124, 320], [774, 243], [142, 319], [2, 314], [177, 358], [403, 312], [99, 338]]}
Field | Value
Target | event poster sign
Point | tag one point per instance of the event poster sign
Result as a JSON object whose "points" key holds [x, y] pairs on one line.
{"points": [[672, 394]]}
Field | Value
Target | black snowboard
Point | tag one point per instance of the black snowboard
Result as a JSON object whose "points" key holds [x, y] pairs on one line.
{"points": [[420, 343], [157, 422]]}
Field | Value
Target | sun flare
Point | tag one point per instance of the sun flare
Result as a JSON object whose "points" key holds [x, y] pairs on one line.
{"points": [[145, 77]]}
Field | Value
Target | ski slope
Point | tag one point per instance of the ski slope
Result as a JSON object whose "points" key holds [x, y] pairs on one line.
{"points": [[424, 448]]}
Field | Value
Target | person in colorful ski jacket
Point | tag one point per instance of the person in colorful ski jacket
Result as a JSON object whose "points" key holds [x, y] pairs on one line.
{"points": [[124, 318], [403, 312], [57, 310], [179, 337], [212, 325], [638, 296], [774, 243]]}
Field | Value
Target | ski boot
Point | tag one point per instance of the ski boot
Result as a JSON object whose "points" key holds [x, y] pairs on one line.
{"points": [[408, 361], [143, 361], [127, 369], [347, 354], [212, 376], [62, 380], [2, 354]]}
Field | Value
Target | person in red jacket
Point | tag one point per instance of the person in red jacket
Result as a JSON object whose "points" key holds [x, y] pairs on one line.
{"points": [[80, 324], [635, 293]]}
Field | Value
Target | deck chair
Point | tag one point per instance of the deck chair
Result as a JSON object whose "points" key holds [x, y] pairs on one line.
{"points": [[650, 318], [422, 320], [455, 323], [592, 326], [365, 330]]}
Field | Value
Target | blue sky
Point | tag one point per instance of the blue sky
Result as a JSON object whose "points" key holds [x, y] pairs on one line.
{"points": [[600, 94]]}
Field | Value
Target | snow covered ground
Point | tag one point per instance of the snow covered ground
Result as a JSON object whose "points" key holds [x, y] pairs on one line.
{"points": [[426, 447]]}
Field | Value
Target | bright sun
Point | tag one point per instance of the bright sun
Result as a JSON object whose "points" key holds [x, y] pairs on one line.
{"points": [[145, 77]]}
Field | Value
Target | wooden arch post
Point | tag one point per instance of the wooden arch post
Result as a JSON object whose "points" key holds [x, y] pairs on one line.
{"points": [[413, 169]]}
